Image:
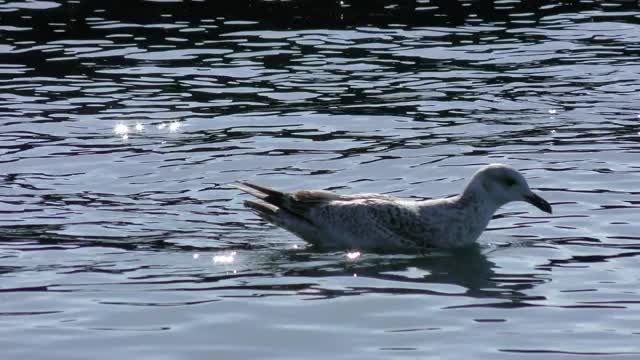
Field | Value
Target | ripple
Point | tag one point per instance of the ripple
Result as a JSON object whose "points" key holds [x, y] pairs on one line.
{"points": [[124, 126]]}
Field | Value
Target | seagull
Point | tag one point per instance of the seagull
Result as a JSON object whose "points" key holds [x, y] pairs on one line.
{"points": [[386, 223]]}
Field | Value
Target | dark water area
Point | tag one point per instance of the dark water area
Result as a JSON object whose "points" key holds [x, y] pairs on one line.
{"points": [[124, 125]]}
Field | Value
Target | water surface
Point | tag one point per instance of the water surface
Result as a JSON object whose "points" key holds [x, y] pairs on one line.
{"points": [[121, 236]]}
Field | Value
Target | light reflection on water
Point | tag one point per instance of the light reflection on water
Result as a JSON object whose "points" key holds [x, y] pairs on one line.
{"points": [[227, 258], [142, 246]]}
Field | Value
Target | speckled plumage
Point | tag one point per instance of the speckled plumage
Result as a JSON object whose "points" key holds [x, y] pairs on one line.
{"points": [[375, 221]]}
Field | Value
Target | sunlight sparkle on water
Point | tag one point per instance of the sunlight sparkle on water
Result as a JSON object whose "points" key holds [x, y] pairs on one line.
{"points": [[161, 126], [195, 256], [139, 127], [353, 255], [174, 126], [552, 111], [120, 129], [224, 258]]}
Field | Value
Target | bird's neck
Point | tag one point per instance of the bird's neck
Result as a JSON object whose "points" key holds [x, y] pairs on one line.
{"points": [[476, 198], [474, 211]]}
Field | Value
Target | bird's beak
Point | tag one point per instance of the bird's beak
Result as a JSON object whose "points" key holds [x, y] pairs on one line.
{"points": [[538, 202]]}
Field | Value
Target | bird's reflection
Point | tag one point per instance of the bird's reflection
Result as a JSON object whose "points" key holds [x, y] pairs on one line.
{"points": [[468, 268]]}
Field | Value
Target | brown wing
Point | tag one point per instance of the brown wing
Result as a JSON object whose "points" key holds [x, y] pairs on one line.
{"points": [[301, 202], [298, 203]]}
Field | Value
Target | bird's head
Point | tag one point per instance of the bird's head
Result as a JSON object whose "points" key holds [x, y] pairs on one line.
{"points": [[505, 184]]}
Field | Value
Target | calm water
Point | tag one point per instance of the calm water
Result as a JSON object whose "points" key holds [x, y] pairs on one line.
{"points": [[121, 237]]}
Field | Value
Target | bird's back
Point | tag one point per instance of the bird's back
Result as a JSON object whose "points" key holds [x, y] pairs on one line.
{"points": [[370, 222]]}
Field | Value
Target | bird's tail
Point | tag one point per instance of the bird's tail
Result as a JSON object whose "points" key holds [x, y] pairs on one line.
{"points": [[264, 210], [270, 206], [265, 194]]}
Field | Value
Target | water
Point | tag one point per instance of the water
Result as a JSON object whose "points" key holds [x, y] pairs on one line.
{"points": [[121, 237]]}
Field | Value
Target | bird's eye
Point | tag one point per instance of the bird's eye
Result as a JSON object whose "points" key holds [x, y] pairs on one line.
{"points": [[509, 181]]}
